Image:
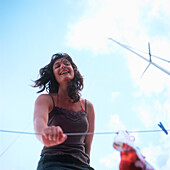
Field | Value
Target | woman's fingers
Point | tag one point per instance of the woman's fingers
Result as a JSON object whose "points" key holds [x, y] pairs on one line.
{"points": [[60, 137], [53, 135]]}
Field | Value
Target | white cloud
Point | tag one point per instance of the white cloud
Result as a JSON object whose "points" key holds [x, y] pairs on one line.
{"points": [[158, 155], [115, 123], [84, 35], [157, 109], [114, 96], [111, 160], [109, 18], [146, 116], [101, 20], [154, 111], [166, 166], [157, 7], [165, 143], [151, 154], [153, 80]]}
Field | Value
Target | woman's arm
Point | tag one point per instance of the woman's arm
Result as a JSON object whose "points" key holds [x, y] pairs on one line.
{"points": [[41, 110], [50, 135], [91, 120]]}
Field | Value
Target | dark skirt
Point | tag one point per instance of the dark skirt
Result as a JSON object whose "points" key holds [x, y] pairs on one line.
{"points": [[62, 162]]}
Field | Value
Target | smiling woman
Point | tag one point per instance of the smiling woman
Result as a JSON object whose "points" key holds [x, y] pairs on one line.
{"points": [[48, 81], [62, 111]]}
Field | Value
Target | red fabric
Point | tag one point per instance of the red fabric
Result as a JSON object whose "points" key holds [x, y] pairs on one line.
{"points": [[128, 159]]}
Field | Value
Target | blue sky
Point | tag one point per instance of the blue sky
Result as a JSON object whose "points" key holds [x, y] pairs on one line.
{"points": [[31, 31]]}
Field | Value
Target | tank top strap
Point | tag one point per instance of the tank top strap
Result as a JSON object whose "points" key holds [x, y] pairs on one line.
{"points": [[52, 100], [85, 105], [82, 106]]}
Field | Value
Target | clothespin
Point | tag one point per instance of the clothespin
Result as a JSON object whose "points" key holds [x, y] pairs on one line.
{"points": [[163, 128]]}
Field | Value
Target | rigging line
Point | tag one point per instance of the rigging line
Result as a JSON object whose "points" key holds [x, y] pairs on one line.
{"points": [[149, 52], [168, 61], [145, 69], [150, 60], [127, 46], [8, 147], [88, 133], [13, 141], [161, 58], [154, 64]]}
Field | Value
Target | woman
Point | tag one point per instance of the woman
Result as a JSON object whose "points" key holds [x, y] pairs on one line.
{"points": [[61, 112]]}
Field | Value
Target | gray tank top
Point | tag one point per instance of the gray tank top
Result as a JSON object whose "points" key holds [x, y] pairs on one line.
{"points": [[70, 122]]}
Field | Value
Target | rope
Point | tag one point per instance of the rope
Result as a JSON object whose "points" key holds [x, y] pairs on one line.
{"points": [[75, 134], [13, 141]]}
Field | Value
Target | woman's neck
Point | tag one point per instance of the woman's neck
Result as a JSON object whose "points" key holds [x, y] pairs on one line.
{"points": [[63, 94]]}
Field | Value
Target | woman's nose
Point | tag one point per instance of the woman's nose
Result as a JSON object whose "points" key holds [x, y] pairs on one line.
{"points": [[62, 65]]}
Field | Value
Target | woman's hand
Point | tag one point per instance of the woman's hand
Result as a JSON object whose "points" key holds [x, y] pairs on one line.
{"points": [[53, 135]]}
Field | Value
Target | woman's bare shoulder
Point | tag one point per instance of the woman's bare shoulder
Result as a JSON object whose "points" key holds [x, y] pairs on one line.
{"points": [[86, 100], [88, 104], [43, 98]]}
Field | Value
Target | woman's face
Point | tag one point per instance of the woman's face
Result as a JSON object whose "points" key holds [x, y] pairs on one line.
{"points": [[63, 70]]}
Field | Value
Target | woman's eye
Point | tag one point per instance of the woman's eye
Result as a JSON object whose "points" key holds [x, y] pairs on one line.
{"points": [[57, 66], [66, 63]]}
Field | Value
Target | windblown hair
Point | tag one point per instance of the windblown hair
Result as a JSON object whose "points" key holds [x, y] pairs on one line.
{"points": [[48, 82]]}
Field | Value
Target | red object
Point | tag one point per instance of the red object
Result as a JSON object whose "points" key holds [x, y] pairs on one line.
{"points": [[128, 159], [131, 157]]}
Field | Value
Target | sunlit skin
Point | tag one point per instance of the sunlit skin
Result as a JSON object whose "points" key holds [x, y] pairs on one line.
{"points": [[53, 135]]}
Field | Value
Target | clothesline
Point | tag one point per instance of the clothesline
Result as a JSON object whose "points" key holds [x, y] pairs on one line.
{"points": [[74, 134], [89, 133]]}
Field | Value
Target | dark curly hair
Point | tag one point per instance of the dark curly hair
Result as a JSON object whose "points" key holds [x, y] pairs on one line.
{"points": [[48, 81]]}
